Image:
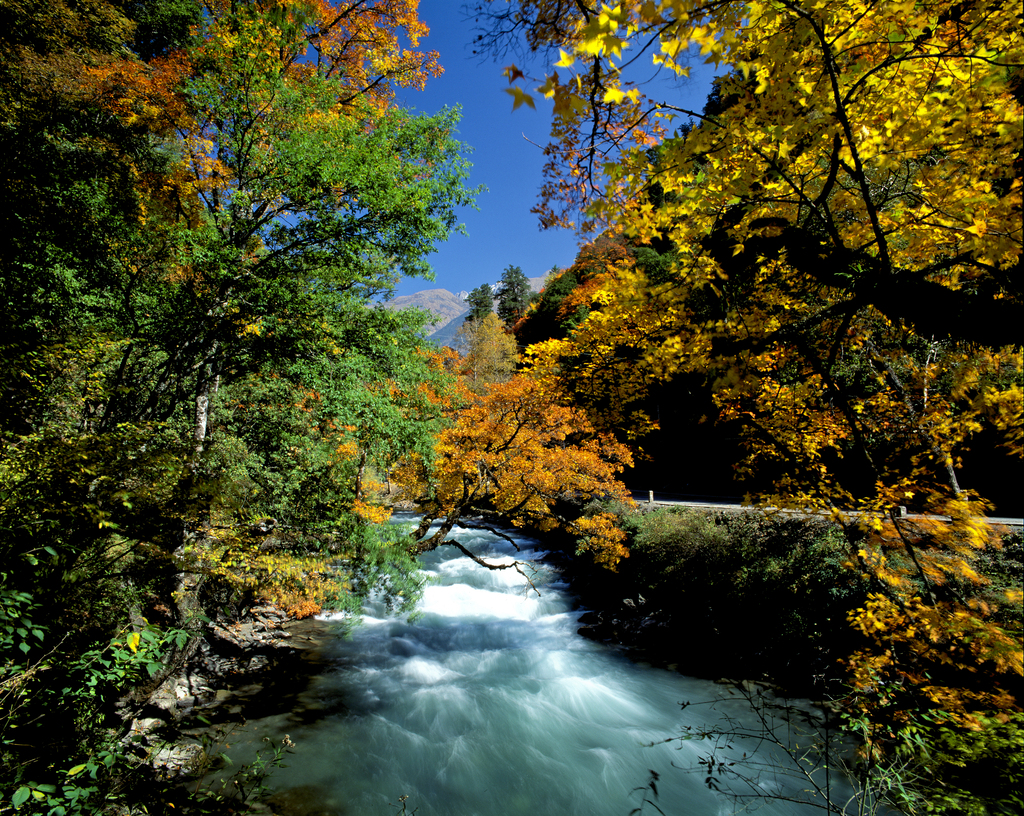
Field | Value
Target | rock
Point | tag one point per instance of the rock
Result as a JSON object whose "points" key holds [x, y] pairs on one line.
{"points": [[258, 663], [230, 653], [141, 731], [601, 632], [165, 698], [175, 761]]}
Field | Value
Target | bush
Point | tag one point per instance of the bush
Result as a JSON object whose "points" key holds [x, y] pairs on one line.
{"points": [[675, 549], [759, 596]]}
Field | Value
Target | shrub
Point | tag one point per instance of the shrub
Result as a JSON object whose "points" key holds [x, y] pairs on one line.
{"points": [[759, 595], [674, 549]]}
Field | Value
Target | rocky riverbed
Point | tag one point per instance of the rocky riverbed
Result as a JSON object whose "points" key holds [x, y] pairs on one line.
{"points": [[241, 670]]}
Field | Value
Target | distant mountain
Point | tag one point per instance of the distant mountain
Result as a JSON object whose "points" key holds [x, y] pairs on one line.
{"points": [[445, 336], [450, 307], [446, 305]]}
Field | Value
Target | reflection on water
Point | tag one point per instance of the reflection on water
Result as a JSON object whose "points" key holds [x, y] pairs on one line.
{"points": [[489, 704]]}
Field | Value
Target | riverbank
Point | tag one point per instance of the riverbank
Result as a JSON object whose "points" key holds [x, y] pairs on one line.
{"points": [[764, 604], [487, 702], [749, 596], [243, 669], [738, 596]]}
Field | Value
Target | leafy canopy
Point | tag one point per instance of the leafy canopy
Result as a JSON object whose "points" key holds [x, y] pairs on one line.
{"points": [[845, 225], [515, 453]]}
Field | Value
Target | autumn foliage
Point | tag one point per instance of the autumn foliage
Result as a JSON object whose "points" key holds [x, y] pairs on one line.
{"points": [[518, 453], [843, 228], [201, 402]]}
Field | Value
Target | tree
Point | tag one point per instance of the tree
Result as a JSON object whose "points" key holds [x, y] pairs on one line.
{"points": [[513, 296], [491, 352], [306, 190], [853, 187], [74, 185], [481, 302], [515, 454], [545, 319], [201, 391], [603, 372], [845, 219]]}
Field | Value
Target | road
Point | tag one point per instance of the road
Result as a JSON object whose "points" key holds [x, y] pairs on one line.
{"points": [[732, 504]]}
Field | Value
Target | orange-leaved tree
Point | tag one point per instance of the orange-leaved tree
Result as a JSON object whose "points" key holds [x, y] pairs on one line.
{"points": [[516, 454]]}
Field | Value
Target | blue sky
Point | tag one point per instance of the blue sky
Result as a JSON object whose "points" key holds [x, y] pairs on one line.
{"points": [[503, 231]]}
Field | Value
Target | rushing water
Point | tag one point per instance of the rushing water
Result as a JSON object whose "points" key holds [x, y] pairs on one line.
{"points": [[490, 704]]}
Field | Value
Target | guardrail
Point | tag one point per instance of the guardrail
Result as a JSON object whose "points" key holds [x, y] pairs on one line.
{"points": [[732, 504]]}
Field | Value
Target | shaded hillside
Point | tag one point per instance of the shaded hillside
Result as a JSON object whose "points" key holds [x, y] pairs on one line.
{"points": [[445, 336], [446, 305], [449, 306]]}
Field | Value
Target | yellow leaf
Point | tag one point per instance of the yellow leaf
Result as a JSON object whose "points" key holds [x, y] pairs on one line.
{"points": [[566, 59], [520, 97]]}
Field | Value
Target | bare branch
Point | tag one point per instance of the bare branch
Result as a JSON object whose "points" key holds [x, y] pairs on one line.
{"points": [[516, 565]]}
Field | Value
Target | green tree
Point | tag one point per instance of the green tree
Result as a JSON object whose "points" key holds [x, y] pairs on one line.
{"points": [[481, 302], [74, 188], [513, 296], [544, 320], [194, 244]]}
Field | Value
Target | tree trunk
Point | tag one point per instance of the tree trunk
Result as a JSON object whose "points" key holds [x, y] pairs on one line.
{"points": [[207, 384]]}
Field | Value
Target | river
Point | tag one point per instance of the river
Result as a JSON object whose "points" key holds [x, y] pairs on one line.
{"points": [[488, 703]]}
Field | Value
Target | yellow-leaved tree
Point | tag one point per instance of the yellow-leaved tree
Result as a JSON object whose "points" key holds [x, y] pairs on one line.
{"points": [[844, 219], [490, 352]]}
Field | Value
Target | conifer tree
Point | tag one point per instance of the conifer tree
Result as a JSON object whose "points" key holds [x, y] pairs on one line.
{"points": [[481, 302], [513, 295]]}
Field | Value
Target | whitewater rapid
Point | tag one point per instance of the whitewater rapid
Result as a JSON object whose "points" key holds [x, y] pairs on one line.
{"points": [[488, 703]]}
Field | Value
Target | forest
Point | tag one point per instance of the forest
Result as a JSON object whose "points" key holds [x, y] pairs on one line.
{"points": [[205, 406]]}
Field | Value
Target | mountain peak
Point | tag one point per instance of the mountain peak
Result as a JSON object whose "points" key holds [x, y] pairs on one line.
{"points": [[445, 304]]}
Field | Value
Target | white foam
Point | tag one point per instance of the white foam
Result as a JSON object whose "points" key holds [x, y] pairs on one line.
{"points": [[425, 672], [470, 603], [591, 700]]}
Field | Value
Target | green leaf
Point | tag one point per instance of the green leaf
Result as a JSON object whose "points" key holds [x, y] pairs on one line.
{"points": [[21, 796]]}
